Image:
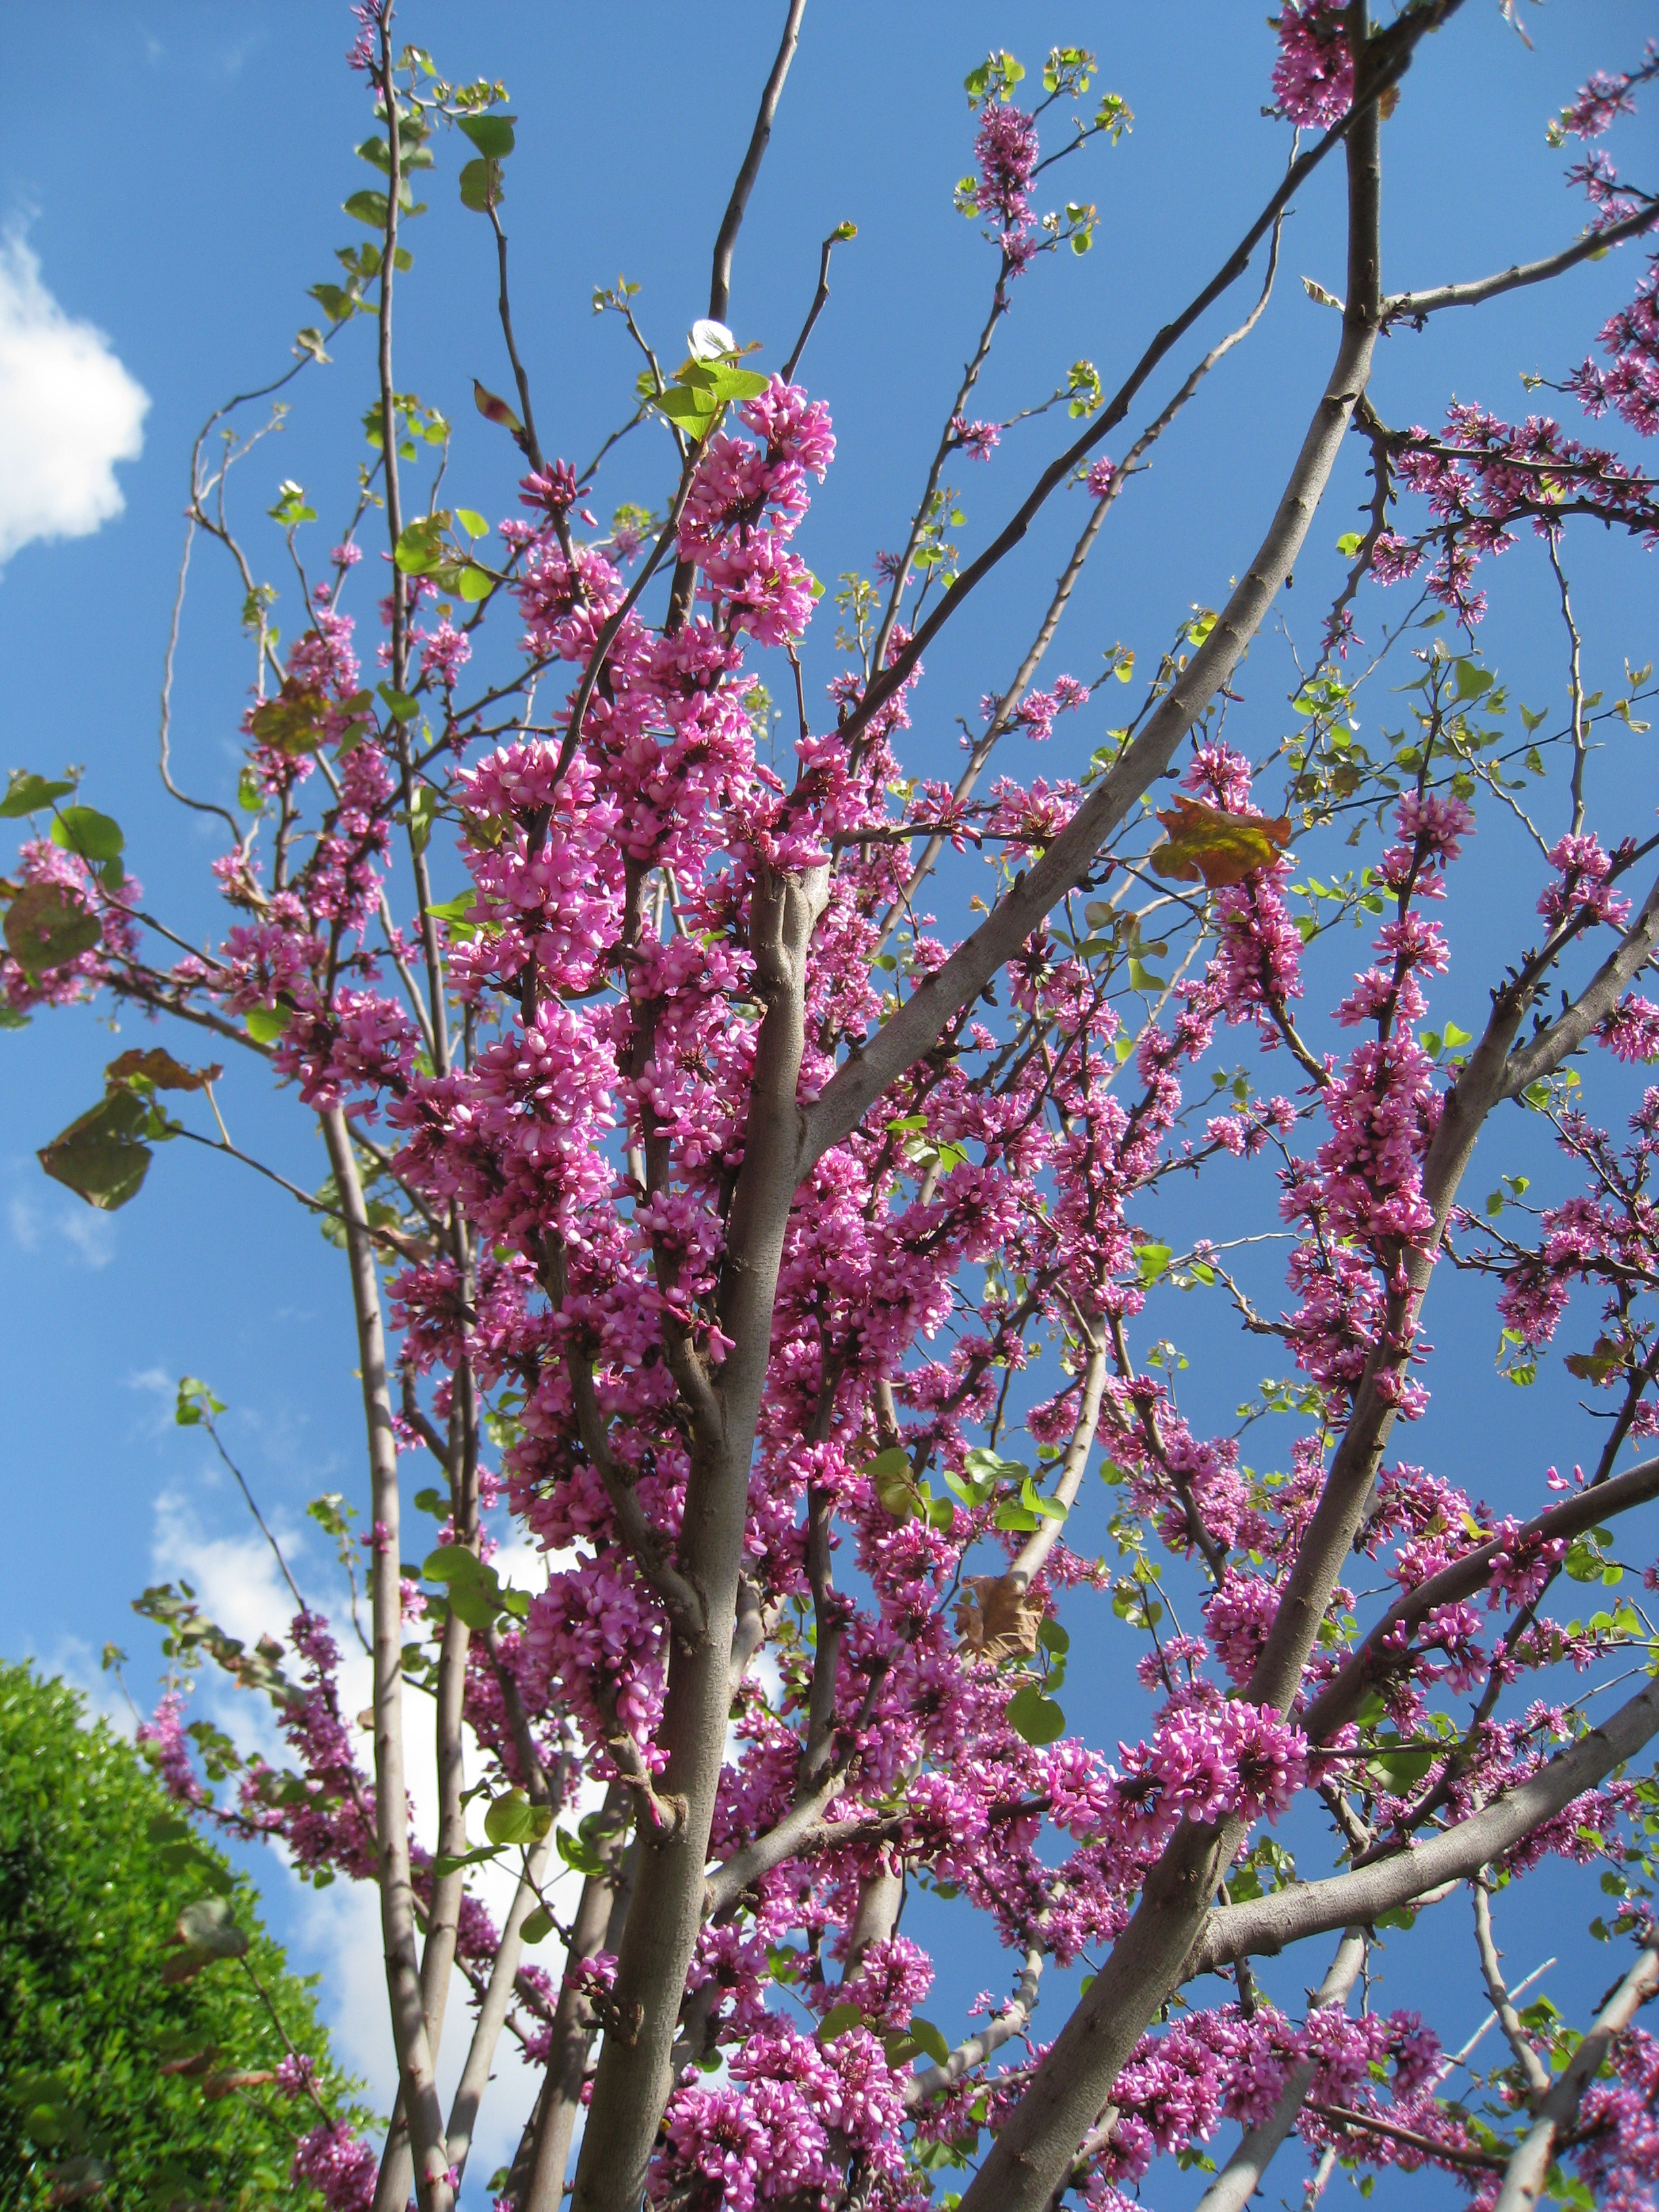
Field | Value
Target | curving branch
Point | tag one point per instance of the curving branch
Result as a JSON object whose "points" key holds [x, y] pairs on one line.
{"points": [[922, 1020], [1011, 2021], [1564, 1035], [720, 283], [492, 2013], [1413, 306], [1003, 720], [418, 2087], [1270, 1923], [1534, 2071]]}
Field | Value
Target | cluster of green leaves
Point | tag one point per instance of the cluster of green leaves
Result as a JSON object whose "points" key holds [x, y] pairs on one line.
{"points": [[1115, 944], [473, 1591], [860, 603], [482, 181], [132, 2046], [104, 1155], [413, 424], [390, 1211], [700, 391], [994, 79], [986, 1477], [190, 1637], [1458, 732], [935, 558], [47, 924], [1084, 397], [440, 545]]}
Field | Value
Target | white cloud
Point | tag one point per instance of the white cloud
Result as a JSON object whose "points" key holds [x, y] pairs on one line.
{"points": [[69, 412], [90, 1234]]}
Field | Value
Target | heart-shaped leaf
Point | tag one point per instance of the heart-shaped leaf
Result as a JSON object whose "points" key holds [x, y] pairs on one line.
{"points": [[47, 924], [99, 1157]]}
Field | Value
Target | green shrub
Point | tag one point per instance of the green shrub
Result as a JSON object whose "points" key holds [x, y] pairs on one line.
{"points": [[99, 1998]]}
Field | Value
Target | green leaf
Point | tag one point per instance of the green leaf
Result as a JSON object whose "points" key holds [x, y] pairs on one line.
{"points": [[988, 1468], [482, 187], [46, 925], [266, 1023], [472, 522], [1053, 1638], [1585, 1562], [537, 1925], [1034, 1501], [27, 794], [1152, 1260], [726, 383], [578, 1853], [471, 1602], [367, 207], [422, 812], [837, 2020], [510, 1818], [491, 134], [1471, 681], [690, 410], [1033, 1716], [1350, 543], [420, 547], [474, 584], [452, 1862], [197, 1403], [1403, 1770], [889, 1475], [398, 704], [1399, 1916], [99, 1156], [927, 2037], [82, 829]]}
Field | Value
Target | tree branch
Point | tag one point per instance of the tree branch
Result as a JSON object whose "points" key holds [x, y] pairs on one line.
{"points": [[1270, 1923], [1528, 2173], [1408, 306], [1239, 2179], [1342, 1696], [419, 2089]]}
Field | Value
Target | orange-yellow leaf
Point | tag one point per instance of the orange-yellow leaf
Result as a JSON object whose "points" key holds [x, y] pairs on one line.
{"points": [[1205, 845]]}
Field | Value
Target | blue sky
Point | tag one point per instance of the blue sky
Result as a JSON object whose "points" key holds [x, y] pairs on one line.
{"points": [[174, 181]]}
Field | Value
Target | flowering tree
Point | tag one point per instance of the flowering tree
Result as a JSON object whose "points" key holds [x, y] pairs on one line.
{"points": [[682, 1165]]}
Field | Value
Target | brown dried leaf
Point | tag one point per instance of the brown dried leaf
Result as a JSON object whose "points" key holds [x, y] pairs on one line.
{"points": [[234, 2077], [994, 1619], [161, 1069]]}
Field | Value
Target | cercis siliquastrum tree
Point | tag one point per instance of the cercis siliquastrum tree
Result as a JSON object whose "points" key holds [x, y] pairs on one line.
{"points": [[682, 1155]]}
